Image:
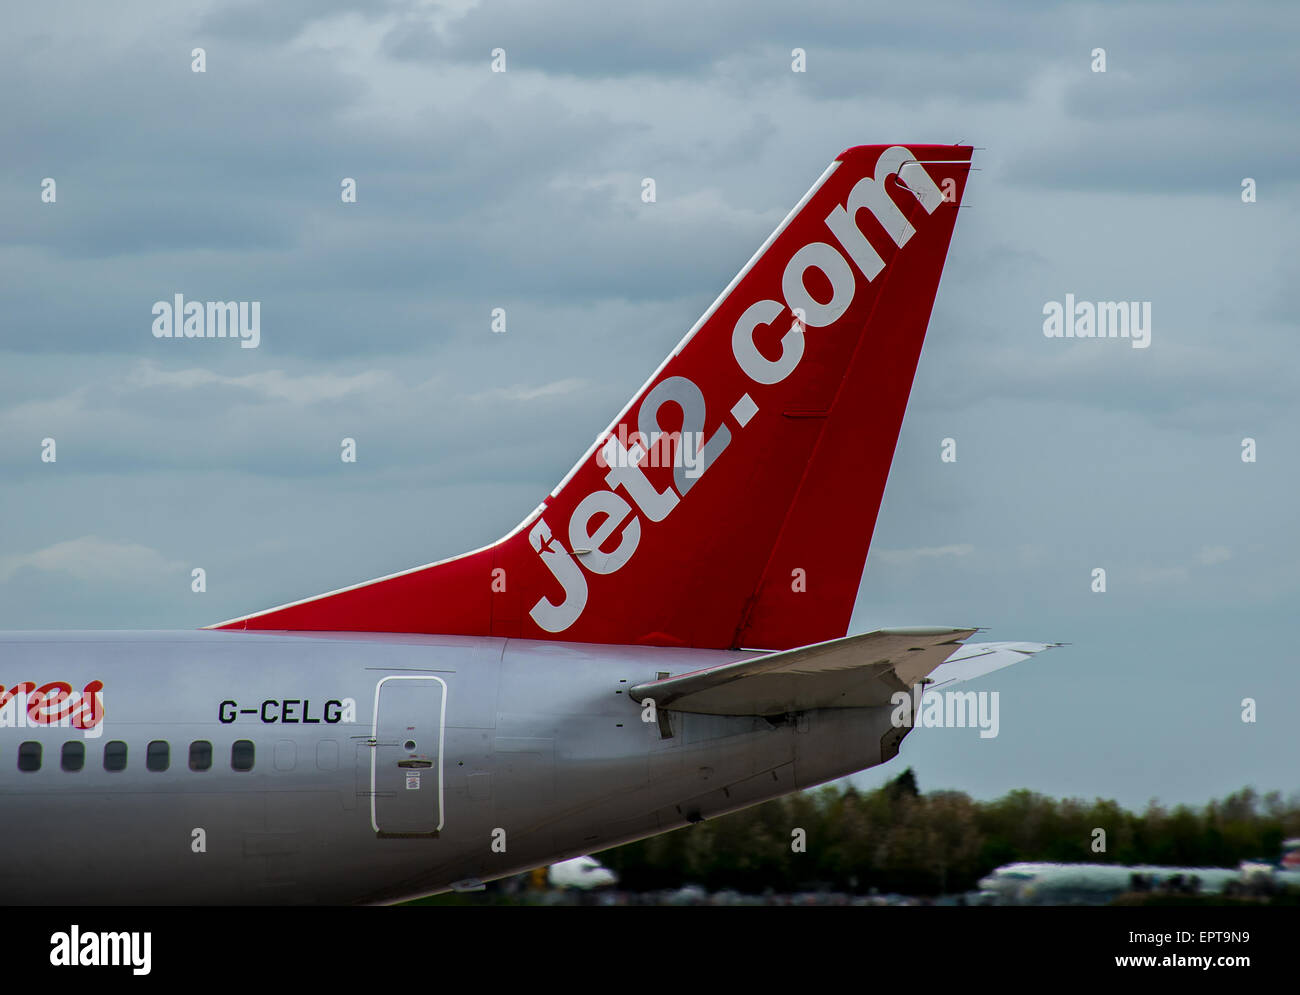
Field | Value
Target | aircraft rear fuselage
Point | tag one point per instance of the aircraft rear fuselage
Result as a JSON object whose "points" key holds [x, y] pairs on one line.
{"points": [[362, 768]]}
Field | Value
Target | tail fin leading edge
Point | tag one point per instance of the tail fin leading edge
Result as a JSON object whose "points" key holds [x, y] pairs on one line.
{"points": [[733, 500]]}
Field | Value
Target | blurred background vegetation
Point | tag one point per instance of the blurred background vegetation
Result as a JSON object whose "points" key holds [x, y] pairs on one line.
{"points": [[897, 839]]}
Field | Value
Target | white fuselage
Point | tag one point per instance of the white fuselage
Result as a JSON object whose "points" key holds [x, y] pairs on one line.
{"points": [[380, 767]]}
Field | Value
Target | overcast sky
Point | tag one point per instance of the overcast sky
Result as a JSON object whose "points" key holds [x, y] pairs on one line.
{"points": [[522, 190]]}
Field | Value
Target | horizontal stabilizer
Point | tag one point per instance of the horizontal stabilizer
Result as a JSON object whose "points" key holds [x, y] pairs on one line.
{"points": [[853, 672], [977, 659]]}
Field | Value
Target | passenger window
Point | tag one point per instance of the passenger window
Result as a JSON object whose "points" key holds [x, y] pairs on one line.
{"points": [[200, 755], [327, 755], [158, 755], [115, 755], [241, 755], [29, 756], [74, 755]]}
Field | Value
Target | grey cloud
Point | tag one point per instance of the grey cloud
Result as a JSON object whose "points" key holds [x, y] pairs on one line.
{"points": [[270, 24]]}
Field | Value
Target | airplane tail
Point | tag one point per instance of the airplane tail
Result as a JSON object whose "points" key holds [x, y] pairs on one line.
{"points": [[731, 503]]}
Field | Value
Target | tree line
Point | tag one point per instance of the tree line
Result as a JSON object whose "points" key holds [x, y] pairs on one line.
{"points": [[896, 839]]}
